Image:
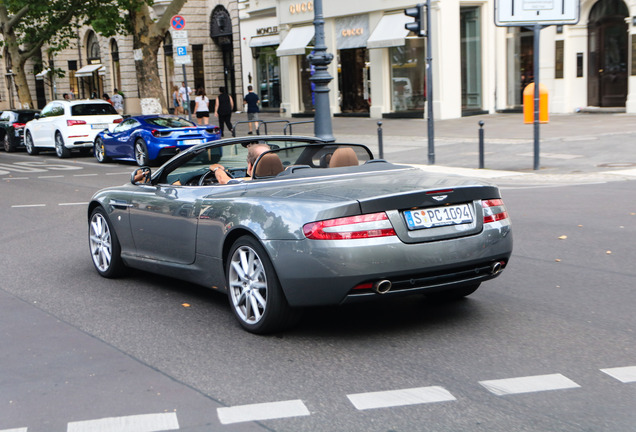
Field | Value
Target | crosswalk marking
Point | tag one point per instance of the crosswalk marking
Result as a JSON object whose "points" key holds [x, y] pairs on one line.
{"points": [[262, 411], [14, 430], [393, 398], [528, 384], [134, 423], [625, 374]]}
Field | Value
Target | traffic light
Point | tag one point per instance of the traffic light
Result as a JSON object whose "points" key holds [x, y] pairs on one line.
{"points": [[419, 25]]}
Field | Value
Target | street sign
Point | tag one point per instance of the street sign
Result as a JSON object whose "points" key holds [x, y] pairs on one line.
{"points": [[177, 22], [531, 12], [179, 34], [182, 51], [180, 42], [182, 59]]}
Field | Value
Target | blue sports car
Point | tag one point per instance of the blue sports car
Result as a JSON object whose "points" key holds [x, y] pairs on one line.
{"points": [[151, 139]]}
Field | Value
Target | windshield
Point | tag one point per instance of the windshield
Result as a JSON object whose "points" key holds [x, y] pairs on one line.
{"points": [[169, 122], [93, 109]]}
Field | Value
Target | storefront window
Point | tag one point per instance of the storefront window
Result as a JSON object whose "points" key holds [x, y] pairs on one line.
{"points": [[268, 77], [408, 82]]}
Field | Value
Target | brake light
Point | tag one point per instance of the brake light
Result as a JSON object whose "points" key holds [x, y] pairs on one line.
{"points": [[119, 120], [75, 122], [351, 227], [155, 133], [494, 210], [18, 125]]}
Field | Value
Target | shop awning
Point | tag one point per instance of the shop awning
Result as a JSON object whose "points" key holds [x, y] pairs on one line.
{"points": [[389, 32], [296, 41], [261, 41], [42, 74], [88, 70]]}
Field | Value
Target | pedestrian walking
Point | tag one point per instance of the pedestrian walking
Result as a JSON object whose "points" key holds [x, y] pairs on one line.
{"points": [[185, 93], [251, 100], [176, 100], [118, 101], [202, 107], [223, 109]]}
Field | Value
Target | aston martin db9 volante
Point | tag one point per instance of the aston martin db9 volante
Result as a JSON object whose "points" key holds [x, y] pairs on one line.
{"points": [[304, 223]]}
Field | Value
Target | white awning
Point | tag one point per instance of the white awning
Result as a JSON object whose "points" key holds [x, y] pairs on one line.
{"points": [[261, 41], [389, 32], [42, 74], [88, 70], [296, 41]]}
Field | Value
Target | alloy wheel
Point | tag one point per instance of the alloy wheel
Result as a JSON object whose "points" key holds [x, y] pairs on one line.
{"points": [[100, 242], [248, 285]]}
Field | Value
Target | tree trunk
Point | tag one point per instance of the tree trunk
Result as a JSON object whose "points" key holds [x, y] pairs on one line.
{"points": [[17, 66], [147, 44]]}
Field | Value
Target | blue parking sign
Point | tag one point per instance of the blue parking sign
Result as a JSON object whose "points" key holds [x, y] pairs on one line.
{"points": [[182, 51]]}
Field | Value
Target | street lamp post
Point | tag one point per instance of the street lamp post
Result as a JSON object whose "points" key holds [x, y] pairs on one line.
{"points": [[321, 59]]}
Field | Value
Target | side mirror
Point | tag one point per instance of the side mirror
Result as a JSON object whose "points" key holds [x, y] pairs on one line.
{"points": [[140, 176], [37, 116]]}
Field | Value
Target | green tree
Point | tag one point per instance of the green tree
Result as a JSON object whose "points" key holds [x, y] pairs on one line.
{"points": [[148, 34], [29, 25]]}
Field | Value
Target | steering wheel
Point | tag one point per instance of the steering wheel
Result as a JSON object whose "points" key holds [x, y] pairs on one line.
{"points": [[210, 173]]}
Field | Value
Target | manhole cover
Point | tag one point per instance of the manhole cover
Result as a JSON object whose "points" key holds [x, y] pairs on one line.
{"points": [[618, 165]]}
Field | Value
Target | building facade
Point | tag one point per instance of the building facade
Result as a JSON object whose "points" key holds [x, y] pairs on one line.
{"points": [[379, 69], [94, 65]]}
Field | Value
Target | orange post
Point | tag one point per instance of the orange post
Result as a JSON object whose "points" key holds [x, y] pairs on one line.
{"points": [[528, 104]]}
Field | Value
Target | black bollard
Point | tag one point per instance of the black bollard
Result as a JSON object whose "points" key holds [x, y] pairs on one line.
{"points": [[481, 144], [380, 144]]}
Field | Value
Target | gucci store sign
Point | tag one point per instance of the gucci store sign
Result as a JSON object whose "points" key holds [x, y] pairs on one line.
{"points": [[352, 31]]}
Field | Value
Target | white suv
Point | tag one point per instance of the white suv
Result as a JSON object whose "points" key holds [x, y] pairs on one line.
{"points": [[66, 125]]}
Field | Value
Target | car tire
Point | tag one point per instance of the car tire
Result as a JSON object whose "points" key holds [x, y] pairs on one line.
{"points": [[254, 292], [8, 142], [104, 245], [30, 146], [453, 294], [99, 151], [141, 153], [60, 149]]}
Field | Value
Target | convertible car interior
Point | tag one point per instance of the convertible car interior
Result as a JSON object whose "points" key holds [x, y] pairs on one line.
{"points": [[283, 159]]}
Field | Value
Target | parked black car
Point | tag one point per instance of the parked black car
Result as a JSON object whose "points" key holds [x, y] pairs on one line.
{"points": [[12, 127]]}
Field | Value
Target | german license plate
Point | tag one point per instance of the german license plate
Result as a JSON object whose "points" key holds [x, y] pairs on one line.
{"points": [[438, 216], [99, 126], [191, 142]]}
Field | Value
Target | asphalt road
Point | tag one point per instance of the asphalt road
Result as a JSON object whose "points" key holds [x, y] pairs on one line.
{"points": [[81, 353]]}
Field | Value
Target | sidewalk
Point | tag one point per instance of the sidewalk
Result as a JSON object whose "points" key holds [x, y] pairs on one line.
{"points": [[571, 144]]}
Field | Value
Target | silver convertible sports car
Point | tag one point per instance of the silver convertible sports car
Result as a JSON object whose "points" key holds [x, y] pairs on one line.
{"points": [[302, 223]]}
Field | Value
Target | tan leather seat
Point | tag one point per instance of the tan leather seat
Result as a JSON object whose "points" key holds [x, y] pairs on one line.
{"points": [[343, 157], [268, 165]]}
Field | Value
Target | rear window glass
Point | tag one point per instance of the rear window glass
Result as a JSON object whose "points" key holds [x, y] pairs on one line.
{"points": [[25, 117], [170, 122], [93, 109]]}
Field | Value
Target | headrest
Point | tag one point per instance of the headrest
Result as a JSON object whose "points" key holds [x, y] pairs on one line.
{"points": [[343, 157], [268, 165]]}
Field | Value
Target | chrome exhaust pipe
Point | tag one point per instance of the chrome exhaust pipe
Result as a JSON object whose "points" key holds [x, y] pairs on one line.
{"points": [[382, 286], [496, 267]]}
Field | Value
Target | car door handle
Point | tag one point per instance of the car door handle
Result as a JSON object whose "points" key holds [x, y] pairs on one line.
{"points": [[120, 204]]}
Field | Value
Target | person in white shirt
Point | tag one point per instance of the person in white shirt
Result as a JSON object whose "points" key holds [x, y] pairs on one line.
{"points": [[185, 94], [118, 101], [201, 108]]}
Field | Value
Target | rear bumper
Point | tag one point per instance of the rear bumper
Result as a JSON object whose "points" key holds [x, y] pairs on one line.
{"points": [[316, 273]]}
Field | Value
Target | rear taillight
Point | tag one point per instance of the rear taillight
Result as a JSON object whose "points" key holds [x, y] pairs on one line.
{"points": [[215, 130], [119, 120], [75, 122], [18, 125], [155, 133], [352, 227], [494, 210]]}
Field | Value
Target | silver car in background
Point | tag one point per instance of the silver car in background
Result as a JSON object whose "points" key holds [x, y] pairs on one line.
{"points": [[317, 224]]}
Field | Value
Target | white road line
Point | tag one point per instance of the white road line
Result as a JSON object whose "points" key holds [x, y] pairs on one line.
{"points": [[135, 423], [625, 374], [126, 173], [15, 178], [85, 175], [51, 176], [563, 156], [529, 384], [72, 204], [626, 172], [14, 430], [28, 205], [262, 411], [393, 398], [469, 172]]}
